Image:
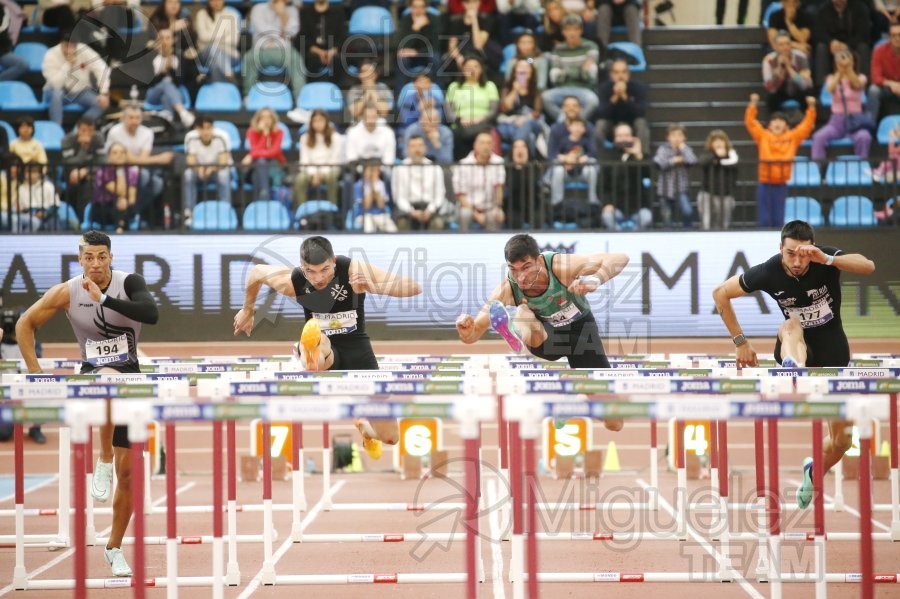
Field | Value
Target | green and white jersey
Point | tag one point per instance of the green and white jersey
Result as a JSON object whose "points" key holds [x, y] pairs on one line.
{"points": [[556, 306]]}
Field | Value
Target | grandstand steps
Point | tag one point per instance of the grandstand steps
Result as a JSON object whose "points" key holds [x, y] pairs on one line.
{"points": [[703, 34], [689, 74], [684, 111], [699, 53], [677, 92]]}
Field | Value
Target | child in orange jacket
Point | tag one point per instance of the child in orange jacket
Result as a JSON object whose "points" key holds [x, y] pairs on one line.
{"points": [[777, 146]]}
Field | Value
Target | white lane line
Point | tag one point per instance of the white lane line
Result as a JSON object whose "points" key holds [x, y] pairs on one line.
{"points": [[12, 496], [497, 571], [847, 508], [735, 575], [254, 583], [69, 552]]}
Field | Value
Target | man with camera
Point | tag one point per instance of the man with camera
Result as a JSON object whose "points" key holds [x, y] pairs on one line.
{"points": [[786, 74], [626, 167]]}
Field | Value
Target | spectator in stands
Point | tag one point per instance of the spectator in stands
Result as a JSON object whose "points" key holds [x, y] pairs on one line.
{"points": [[673, 158], [369, 91], [437, 136], [889, 9], [478, 182], [517, 14], [456, 8], [218, 40], [576, 159], [470, 36], [372, 202], [523, 200], [58, 14], [420, 196], [777, 149], [371, 139], [171, 15], [323, 29], [796, 22], [571, 110], [419, 43], [840, 25], [472, 106], [410, 105], [115, 190], [520, 107], [786, 74], [82, 152], [715, 200], [12, 66], [75, 74], [888, 171], [38, 201], [627, 197], [527, 49], [553, 16], [25, 148], [274, 24], [163, 89], [846, 87], [587, 11], [207, 156], [108, 28], [574, 67], [138, 142], [321, 157], [884, 93], [627, 12], [266, 156], [622, 100]]}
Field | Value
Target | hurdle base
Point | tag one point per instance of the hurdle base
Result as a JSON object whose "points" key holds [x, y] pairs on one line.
{"points": [[895, 530], [20, 578], [232, 574]]}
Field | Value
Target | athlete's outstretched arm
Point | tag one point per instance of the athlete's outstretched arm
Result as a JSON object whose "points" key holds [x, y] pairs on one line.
{"points": [[855, 263], [722, 295], [368, 278], [471, 328], [276, 277], [139, 306], [568, 267], [56, 299]]}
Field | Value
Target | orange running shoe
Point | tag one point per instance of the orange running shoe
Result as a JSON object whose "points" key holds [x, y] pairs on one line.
{"points": [[310, 339]]}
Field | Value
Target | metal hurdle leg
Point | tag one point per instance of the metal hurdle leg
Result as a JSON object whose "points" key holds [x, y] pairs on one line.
{"points": [[721, 437], [327, 505], [267, 572], [762, 564], [137, 436], [233, 570], [838, 502], [653, 491], [297, 492], [717, 514], [218, 550], [895, 470], [774, 498], [681, 489], [819, 512], [862, 410], [506, 497], [65, 490], [171, 519], [517, 542], [20, 581]]}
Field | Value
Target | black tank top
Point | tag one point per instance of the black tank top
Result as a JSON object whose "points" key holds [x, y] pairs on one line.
{"points": [[346, 320]]}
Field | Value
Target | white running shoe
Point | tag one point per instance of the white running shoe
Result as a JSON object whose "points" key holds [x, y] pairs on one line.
{"points": [[101, 486], [116, 560]]}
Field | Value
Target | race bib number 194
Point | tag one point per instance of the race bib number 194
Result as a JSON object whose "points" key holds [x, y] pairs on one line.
{"points": [[106, 351]]}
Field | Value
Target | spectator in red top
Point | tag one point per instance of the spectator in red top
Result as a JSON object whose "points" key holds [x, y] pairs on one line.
{"points": [[885, 88], [485, 6], [266, 157]]}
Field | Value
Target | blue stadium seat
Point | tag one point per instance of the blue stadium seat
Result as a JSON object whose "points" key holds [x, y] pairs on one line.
{"points": [[67, 217], [321, 95], [310, 207], [272, 95], [371, 20], [50, 134], [805, 173], [509, 50], [266, 215], [852, 211], [219, 97], [234, 136], [633, 50], [286, 141], [770, 10], [16, 95], [214, 215], [848, 170], [885, 126], [803, 208], [33, 52]]}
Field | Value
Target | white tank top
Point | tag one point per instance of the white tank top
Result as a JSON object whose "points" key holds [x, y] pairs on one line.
{"points": [[106, 338]]}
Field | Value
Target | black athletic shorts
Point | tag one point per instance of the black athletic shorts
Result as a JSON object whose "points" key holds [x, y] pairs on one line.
{"points": [[357, 355], [120, 431], [822, 350], [579, 342]]}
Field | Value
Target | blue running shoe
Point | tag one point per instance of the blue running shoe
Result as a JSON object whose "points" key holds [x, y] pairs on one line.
{"points": [[805, 490], [501, 323], [789, 362]]}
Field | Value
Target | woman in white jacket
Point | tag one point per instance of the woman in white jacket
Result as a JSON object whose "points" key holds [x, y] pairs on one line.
{"points": [[321, 158], [218, 36]]}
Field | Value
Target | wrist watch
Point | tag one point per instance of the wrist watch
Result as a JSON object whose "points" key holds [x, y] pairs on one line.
{"points": [[829, 260], [739, 340]]}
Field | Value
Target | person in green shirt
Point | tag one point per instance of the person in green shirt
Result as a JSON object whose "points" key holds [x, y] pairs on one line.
{"points": [[541, 306]]}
